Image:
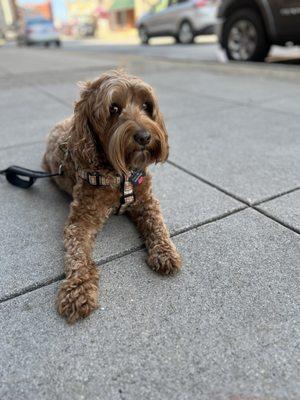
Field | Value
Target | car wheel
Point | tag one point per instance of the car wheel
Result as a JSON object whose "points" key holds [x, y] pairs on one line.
{"points": [[186, 33], [57, 43], [46, 44], [144, 37], [245, 38]]}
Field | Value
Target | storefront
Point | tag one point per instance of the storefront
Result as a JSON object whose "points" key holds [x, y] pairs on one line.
{"points": [[122, 14]]}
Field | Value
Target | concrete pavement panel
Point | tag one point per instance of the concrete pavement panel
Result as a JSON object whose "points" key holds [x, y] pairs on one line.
{"points": [[32, 220], [251, 153], [227, 84], [285, 208], [226, 327], [172, 103], [287, 104], [27, 115], [67, 92], [175, 103], [35, 60]]}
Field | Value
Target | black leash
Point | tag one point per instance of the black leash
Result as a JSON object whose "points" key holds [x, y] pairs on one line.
{"points": [[15, 175]]}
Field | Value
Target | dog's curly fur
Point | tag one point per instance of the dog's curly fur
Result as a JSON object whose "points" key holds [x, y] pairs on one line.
{"points": [[112, 108]]}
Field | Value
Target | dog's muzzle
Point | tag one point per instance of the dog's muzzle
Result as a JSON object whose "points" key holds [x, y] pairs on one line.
{"points": [[142, 137]]}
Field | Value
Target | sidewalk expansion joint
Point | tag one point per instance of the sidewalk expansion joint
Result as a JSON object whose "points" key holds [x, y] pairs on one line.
{"points": [[17, 145], [52, 96], [247, 204], [276, 219], [33, 287], [233, 104], [213, 185], [276, 196]]}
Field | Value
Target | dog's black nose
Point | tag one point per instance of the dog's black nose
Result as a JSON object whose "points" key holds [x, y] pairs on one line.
{"points": [[142, 137]]}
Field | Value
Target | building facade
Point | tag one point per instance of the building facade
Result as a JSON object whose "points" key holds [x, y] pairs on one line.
{"points": [[42, 9], [8, 14], [124, 13], [118, 14]]}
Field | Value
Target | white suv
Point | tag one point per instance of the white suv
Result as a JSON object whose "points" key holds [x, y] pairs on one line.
{"points": [[182, 19]]}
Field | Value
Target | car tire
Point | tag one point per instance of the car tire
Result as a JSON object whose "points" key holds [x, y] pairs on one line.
{"points": [[57, 43], [185, 33], [143, 34], [244, 36]]}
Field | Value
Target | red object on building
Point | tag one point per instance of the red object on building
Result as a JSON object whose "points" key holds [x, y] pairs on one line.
{"points": [[43, 9], [101, 12]]}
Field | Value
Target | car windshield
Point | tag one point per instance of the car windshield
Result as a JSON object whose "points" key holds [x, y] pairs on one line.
{"points": [[161, 5], [38, 21]]}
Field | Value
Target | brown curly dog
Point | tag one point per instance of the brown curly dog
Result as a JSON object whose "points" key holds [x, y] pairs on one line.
{"points": [[104, 150]]}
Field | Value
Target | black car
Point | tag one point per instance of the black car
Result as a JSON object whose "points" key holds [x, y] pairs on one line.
{"points": [[248, 28]]}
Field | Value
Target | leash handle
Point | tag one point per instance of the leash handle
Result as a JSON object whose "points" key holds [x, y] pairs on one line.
{"points": [[15, 175]]}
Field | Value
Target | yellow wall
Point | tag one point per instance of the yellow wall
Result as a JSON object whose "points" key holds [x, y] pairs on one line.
{"points": [[81, 7], [142, 6], [8, 13], [87, 7]]}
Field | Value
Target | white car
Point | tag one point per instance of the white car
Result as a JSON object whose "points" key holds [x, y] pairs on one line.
{"points": [[38, 31], [182, 19]]}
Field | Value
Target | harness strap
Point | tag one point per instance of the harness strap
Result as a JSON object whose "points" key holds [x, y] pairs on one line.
{"points": [[94, 178], [15, 175], [127, 196]]}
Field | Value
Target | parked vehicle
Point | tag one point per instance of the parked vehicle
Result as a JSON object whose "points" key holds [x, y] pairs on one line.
{"points": [[248, 28], [182, 19], [38, 31], [86, 26]]}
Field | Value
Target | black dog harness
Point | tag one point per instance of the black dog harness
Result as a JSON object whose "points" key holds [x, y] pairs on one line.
{"points": [[25, 178]]}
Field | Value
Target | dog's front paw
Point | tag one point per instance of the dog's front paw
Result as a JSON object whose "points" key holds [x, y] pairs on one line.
{"points": [[77, 300], [164, 259]]}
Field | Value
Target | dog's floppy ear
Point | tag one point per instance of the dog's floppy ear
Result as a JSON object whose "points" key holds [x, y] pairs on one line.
{"points": [[82, 144], [89, 114], [158, 117], [85, 142]]}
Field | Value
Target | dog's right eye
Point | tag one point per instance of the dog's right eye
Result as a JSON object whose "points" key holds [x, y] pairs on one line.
{"points": [[115, 109]]}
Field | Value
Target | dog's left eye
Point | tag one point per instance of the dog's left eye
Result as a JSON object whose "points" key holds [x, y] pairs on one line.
{"points": [[115, 109], [148, 107]]}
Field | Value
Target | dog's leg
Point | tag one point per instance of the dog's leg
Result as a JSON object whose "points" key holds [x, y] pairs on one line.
{"points": [[162, 254], [78, 294]]}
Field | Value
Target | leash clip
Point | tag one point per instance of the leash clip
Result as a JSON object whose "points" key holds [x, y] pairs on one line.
{"points": [[61, 170]]}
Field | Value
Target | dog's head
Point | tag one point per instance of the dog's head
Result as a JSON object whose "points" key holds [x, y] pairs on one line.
{"points": [[121, 112]]}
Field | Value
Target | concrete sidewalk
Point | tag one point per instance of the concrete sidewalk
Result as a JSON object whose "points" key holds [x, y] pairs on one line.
{"points": [[226, 327]]}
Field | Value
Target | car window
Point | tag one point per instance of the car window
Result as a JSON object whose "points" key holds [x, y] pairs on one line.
{"points": [[160, 6], [174, 2], [38, 21]]}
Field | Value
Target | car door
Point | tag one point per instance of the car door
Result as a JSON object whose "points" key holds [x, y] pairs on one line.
{"points": [[176, 12], [287, 17], [156, 21]]}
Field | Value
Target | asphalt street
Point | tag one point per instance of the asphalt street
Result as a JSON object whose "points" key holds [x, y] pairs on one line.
{"points": [[206, 48], [227, 326]]}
